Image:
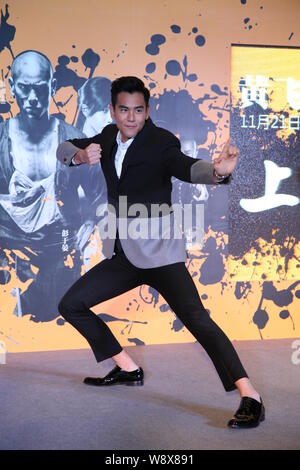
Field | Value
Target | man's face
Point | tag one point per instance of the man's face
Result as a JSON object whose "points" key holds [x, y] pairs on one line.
{"points": [[32, 87], [130, 114]]}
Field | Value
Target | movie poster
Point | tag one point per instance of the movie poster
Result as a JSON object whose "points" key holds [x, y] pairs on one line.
{"points": [[57, 62]]}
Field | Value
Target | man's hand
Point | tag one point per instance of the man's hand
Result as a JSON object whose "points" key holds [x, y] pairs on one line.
{"points": [[225, 163], [90, 155]]}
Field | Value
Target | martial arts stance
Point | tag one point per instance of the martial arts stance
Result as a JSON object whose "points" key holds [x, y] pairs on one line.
{"points": [[138, 161]]}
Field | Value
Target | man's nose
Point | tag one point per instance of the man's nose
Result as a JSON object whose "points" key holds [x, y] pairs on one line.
{"points": [[130, 115], [32, 95]]}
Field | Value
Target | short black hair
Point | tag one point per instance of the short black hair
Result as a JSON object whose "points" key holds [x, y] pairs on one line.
{"points": [[130, 85]]}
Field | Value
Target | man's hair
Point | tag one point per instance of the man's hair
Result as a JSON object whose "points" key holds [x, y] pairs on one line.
{"points": [[130, 85], [95, 93]]}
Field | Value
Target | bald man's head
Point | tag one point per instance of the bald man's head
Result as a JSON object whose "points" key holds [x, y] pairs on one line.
{"points": [[32, 83], [31, 62]]}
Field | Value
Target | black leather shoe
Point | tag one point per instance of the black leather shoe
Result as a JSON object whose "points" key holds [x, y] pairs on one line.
{"points": [[250, 413], [118, 376]]}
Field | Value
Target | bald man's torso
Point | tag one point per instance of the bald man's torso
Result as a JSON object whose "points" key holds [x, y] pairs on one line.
{"points": [[35, 159]]}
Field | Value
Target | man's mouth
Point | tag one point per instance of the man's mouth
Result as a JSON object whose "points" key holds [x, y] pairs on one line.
{"points": [[32, 110]]}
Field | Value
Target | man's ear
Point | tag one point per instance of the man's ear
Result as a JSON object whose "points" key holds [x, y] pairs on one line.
{"points": [[112, 111], [12, 86], [147, 112], [53, 86]]}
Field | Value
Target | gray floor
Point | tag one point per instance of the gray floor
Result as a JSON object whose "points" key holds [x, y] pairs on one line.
{"points": [[45, 405]]}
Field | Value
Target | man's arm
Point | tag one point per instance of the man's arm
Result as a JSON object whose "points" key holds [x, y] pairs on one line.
{"points": [[78, 151], [204, 172], [193, 170]]}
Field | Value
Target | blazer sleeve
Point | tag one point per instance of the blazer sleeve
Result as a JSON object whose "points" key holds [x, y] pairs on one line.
{"points": [[66, 150]]}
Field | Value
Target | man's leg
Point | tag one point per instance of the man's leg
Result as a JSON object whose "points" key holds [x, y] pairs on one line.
{"points": [[177, 287], [108, 279]]}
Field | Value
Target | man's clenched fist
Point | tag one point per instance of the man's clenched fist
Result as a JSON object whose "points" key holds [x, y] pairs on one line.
{"points": [[90, 155]]}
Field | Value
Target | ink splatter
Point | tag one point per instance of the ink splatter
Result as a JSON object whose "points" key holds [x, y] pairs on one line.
{"points": [[175, 28], [156, 41], [280, 298], [110, 318], [91, 60], [174, 68], [5, 277], [200, 40], [150, 68], [136, 341], [7, 32], [216, 89], [164, 308], [242, 290], [151, 297], [284, 314], [168, 109], [260, 318], [213, 269], [177, 325], [66, 77]]}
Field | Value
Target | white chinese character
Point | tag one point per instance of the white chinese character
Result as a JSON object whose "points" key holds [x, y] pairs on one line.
{"points": [[65, 233], [294, 122], [65, 247], [255, 92], [274, 174], [263, 120], [293, 93]]}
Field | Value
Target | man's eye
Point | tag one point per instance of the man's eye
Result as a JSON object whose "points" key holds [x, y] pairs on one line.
{"points": [[40, 88], [24, 88]]}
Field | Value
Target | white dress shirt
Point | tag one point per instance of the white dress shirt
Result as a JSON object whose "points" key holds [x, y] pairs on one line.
{"points": [[122, 149]]}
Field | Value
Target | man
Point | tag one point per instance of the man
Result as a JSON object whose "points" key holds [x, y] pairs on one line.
{"points": [[138, 161], [93, 101], [37, 214]]}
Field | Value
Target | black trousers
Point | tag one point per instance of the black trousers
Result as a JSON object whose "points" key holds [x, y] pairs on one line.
{"points": [[112, 277]]}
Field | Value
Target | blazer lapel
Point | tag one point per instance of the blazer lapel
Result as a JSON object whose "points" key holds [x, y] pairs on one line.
{"points": [[110, 152], [132, 154]]}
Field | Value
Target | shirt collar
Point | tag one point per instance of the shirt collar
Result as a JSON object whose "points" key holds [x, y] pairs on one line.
{"points": [[123, 144]]}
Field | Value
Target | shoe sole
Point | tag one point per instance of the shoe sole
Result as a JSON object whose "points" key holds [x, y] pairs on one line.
{"points": [[249, 426], [133, 384], [128, 384]]}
